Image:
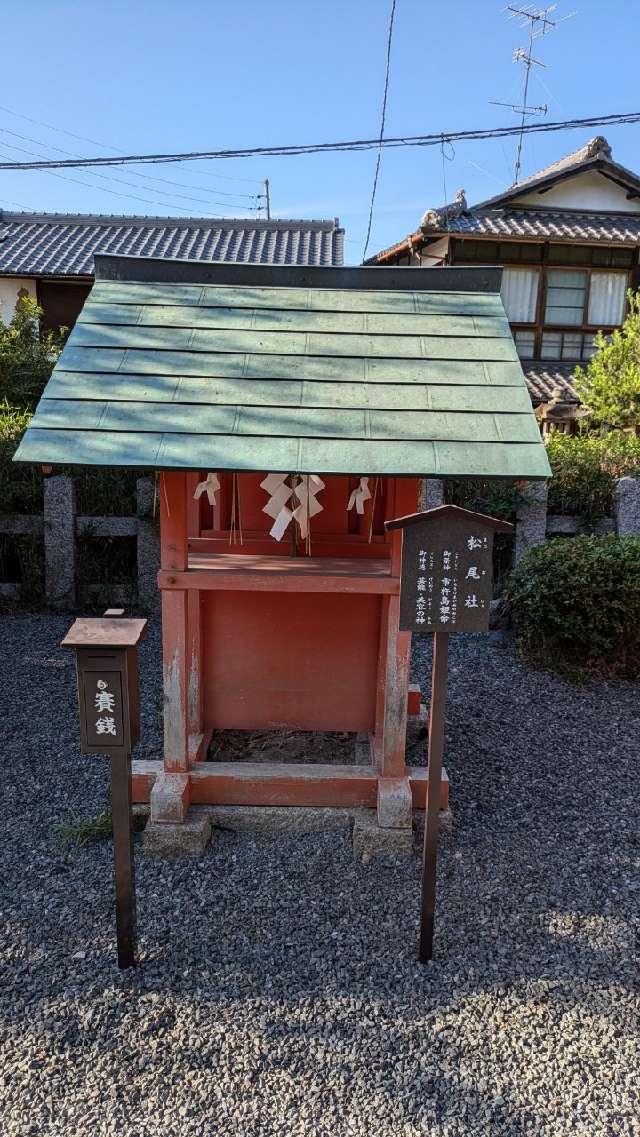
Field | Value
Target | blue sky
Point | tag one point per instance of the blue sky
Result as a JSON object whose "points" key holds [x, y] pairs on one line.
{"points": [[149, 75]]}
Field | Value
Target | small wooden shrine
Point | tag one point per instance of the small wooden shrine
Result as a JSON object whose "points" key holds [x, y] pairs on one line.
{"points": [[289, 412]]}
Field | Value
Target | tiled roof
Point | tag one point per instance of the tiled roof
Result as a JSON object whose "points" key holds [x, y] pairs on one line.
{"points": [[501, 216], [595, 148], [60, 244], [595, 155], [560, 224], [544, 379]]}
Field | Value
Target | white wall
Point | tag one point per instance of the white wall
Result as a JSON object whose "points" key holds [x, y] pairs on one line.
{"points": [[9, 289], [584, 191]]}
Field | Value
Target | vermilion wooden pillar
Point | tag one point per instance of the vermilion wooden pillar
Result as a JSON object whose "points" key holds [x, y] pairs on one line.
{"points": [[170, 795], [394, 660]]}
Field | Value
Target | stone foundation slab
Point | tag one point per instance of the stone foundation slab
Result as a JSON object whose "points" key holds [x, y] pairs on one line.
{"points": [[188, 838], [370, 840]]}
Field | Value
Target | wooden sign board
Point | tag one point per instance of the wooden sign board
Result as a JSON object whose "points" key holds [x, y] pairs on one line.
{"points": [[446, 578], [102, 723], [445, 587], [108, 714]]}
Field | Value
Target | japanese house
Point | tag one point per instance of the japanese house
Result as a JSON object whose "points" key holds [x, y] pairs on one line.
{"points": [[568, 238], [289, 412], [50, 255]]}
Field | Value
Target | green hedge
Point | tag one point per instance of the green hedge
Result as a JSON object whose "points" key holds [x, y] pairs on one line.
{"points": [[585, 468], [576, 605], [497, 497], [20, 485]]}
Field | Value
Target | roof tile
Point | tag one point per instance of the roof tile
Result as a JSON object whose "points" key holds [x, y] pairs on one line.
{"points": [[544, 379], [37, 244], [566, 225]]}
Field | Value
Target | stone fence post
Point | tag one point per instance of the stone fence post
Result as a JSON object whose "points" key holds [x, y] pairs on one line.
{"points": [[626, 507], [431, 493], [531, 518], [60, 542], [148, 545]]}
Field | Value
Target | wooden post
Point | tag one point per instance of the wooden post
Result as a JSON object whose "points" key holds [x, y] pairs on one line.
{"points": [[123, 856], [173, 556], [194, 667], [398, 653], [109, 704], [434, 774]]}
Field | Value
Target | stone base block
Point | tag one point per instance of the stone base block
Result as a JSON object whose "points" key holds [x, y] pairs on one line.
{"points": [[370, 840], [395, 805], [170, 798], [273, 820], [189, 838]]}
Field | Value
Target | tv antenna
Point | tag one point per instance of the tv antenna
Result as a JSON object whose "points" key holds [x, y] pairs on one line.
{"points": [[538, 23]]}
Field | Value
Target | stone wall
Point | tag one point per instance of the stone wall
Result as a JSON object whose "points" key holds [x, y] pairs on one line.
{"points": [[58, 527], [534, 525]]}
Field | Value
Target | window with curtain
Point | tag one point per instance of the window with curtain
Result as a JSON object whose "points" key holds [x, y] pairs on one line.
{"points": [[520, 294], [606, 298], [566, 292], [525, 343], [567, 345]]}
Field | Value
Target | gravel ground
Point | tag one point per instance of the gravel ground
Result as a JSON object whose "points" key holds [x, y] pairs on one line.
{"points": [[279, 991]]}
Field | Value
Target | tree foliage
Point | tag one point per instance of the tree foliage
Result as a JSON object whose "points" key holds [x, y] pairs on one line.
{"points": [[27, 355], [610, 385], [585, 468]]}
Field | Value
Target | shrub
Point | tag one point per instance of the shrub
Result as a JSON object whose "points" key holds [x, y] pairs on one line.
{"points": [[610, 386], [27, 355], [20, 485], [497, 497], [576, 605], [584, 471]]}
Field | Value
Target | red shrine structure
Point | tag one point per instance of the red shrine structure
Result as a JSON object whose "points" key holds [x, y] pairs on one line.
{"points": [[289, 413]]}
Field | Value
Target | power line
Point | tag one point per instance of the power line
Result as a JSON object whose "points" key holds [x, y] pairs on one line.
{"points": [[53, 173], [93, 142], [335, 147], [123, 181], [383, 118]]}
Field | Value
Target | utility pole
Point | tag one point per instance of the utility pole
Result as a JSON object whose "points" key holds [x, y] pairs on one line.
{"points": [[267, 198]]}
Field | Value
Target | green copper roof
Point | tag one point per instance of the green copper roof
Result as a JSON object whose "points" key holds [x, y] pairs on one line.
{"points": [[239, 367]]}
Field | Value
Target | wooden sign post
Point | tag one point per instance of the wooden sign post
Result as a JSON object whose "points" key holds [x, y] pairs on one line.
{"points": [[446, 587], [107, 672]]}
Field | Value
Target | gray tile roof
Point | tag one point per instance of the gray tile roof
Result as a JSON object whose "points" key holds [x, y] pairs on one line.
{"points": [[544, 378], [60, 244], [502, 217], [554, 224], [594, 155], [595, 148]]}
